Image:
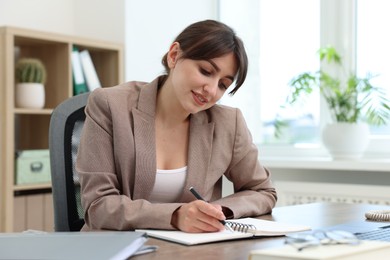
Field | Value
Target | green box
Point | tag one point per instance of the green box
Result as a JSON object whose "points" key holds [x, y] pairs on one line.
{"points": [[32, 166]]}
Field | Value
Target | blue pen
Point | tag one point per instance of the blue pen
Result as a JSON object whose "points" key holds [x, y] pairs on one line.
{"points": [[197, 196]]}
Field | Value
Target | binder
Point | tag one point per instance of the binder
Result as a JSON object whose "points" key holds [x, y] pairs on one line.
{"points": [[79, 84], [89, 70], [72, 245]]}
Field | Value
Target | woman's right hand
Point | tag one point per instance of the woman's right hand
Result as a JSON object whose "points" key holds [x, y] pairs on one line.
{"points": [[198, 216]]}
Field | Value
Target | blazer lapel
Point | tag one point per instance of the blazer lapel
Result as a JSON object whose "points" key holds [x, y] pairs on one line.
{"points": [[144, 138], [199, 155]]}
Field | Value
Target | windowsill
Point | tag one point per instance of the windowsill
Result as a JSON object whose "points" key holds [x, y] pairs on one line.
{"points": [[326, 163]]}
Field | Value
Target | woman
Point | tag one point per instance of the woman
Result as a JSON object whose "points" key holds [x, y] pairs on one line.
{"points": [[145, 144]]}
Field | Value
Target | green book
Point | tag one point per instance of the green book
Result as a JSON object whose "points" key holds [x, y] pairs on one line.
{"points": [[79, 84]]}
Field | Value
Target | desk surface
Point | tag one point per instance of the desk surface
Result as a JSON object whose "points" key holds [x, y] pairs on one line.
{"points": [[316, 215]]}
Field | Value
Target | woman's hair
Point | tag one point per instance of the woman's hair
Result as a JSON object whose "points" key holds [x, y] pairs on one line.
{"points": [[211, 39]]}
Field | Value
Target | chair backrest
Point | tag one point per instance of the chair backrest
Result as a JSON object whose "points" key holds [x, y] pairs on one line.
{"points": [[66, 124]]}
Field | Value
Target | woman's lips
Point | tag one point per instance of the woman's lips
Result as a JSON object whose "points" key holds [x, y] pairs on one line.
{"points": [[199, 99]]}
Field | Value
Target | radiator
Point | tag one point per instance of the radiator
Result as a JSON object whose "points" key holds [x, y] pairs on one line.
{"points": [[293, 193]]}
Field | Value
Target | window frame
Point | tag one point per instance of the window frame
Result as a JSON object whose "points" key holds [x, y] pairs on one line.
{"points": [[343, 20]]}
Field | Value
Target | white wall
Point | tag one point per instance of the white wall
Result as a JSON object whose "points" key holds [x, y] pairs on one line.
{"points": [[103, 19], [100, 19], [47, 15], [151, 26], [147, 27]]}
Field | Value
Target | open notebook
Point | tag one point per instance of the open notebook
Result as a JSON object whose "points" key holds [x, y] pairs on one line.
{"points": [[245, 227]]}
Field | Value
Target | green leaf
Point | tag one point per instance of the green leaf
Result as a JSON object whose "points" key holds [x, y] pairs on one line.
{"points": [[351, 100]]}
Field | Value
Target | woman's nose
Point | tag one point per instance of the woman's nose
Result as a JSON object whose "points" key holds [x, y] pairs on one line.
{"points": [[211, 88]]}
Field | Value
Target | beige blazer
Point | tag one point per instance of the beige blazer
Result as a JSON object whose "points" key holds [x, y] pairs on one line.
{"points": [[117, 161]]}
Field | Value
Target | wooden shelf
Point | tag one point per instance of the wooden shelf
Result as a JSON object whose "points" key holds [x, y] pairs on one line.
{"points": [[39, 186], [26, 129], [25, 111]]}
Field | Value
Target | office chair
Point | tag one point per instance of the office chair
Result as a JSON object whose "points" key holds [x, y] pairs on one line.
{"points": [[65, 128]]}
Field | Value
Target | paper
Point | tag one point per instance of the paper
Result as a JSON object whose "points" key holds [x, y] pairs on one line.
{"points": [[195, 238], [270, 228], [264, 228]]}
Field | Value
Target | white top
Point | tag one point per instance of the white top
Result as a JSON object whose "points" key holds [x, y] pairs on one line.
{"points": [[169, 185]]}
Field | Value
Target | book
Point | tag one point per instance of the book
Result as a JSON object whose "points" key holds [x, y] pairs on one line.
{"points": [[89, 70], [79, 84], [362, 251], [71, 245], [243, 228]]}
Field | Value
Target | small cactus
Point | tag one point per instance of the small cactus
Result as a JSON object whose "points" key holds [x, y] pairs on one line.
{"points": [[30, 70]]}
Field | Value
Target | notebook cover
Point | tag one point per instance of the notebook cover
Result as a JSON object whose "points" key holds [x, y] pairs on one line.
{"points": [[70, 245]]}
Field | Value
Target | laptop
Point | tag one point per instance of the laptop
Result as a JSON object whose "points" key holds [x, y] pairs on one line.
{"points": [[366, 230]]}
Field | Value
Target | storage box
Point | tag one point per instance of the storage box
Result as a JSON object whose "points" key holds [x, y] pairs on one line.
{"points": [[32, 166]]}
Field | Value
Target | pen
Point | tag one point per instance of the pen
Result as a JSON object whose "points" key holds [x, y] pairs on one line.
{"points": [[197, 196]]}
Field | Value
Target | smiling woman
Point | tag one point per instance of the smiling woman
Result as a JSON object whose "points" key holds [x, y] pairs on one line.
{"points": [[205, 80], [145, 144]]}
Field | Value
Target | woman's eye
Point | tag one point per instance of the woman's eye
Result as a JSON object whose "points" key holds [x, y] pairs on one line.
{"points": [[205, 72], [223, 86]]}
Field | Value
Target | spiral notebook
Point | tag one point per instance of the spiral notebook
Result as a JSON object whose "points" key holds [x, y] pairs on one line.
{"points": [[244, 228]]}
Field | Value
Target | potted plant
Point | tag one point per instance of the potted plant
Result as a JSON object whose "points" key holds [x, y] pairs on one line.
{"points": [[30, 76], [353, 103]]}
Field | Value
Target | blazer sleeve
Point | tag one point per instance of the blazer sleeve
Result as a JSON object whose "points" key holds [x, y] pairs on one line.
{"points": [[105, 204], [254, 193]]}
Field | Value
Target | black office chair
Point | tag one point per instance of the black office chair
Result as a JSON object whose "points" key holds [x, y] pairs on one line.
{"points": [[66, 123]]}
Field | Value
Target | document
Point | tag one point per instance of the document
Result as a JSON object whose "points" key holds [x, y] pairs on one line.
{"points": [[71, 245], [244, 228]]}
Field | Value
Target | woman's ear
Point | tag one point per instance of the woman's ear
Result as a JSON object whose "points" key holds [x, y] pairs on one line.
{"points": [[173, 54]]}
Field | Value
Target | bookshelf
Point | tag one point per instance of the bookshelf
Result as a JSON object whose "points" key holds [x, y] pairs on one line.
{"points": [[29, 206]]}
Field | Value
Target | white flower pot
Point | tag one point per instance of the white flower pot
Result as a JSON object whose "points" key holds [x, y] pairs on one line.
{"points": [[346, 140], [30, 95]]}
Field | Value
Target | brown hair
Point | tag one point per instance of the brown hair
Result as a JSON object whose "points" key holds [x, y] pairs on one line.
{"points": [[211, 39]]}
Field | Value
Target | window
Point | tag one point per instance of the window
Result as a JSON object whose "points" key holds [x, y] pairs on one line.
{"points": [[288, 48], [285, 45], [282, 37], [372, 46]]}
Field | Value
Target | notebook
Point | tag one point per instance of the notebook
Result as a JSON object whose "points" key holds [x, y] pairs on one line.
{"points": [[244, 228], [71, 245]]}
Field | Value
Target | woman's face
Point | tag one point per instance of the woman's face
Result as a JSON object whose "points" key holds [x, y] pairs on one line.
{"points": [[199, 84]]}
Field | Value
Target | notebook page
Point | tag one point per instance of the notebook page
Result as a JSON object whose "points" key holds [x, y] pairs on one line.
{"points": [[194, 238], [270, 228]]}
